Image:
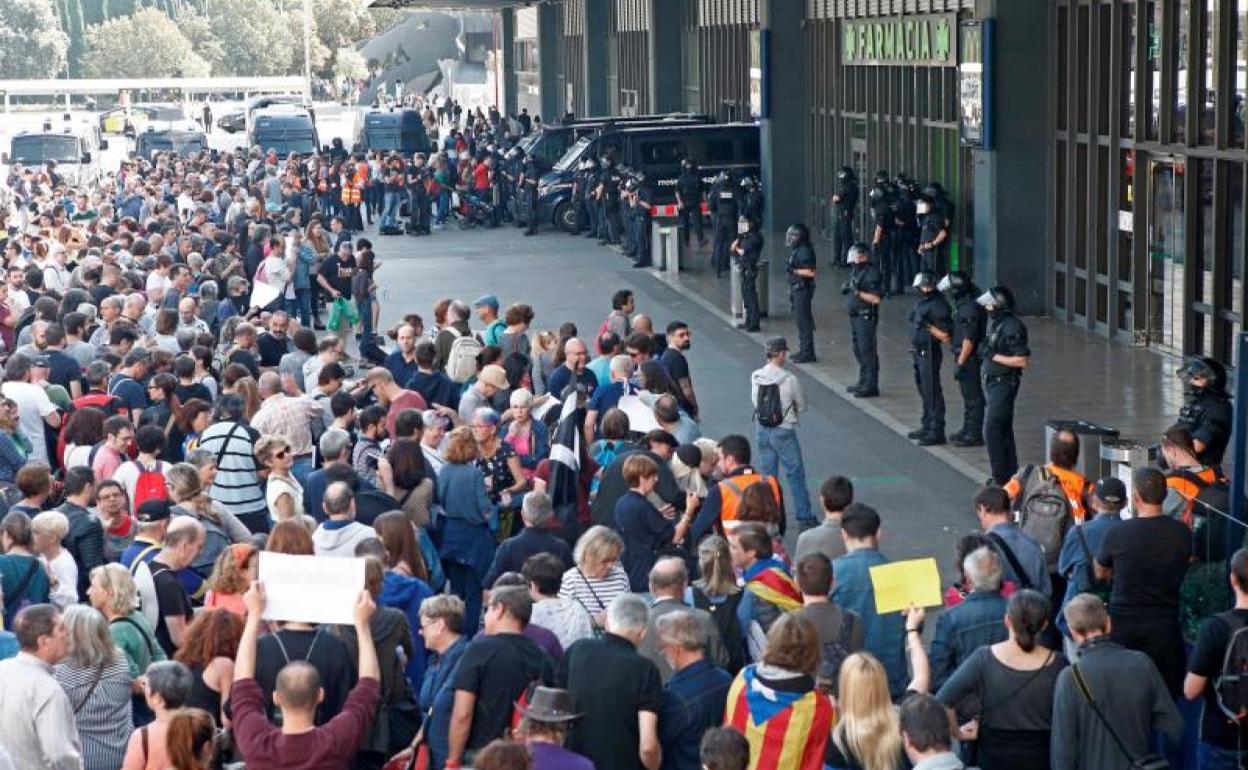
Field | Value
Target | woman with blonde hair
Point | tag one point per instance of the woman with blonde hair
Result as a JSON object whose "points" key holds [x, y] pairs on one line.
{"points": [[48, 529], [221, 528], [868, 731], [113, 594], [717, 592], [597, 578], [787, 727], [96, 678]]}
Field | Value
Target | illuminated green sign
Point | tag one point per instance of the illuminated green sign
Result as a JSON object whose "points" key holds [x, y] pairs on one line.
{"points": [[925, 41]]}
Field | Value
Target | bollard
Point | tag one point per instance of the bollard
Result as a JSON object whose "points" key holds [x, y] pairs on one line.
{"points": [[1121, 456], [665, 247]]}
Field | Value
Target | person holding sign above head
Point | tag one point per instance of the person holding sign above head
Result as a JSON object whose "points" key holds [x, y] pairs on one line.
{"points": [[303, 741]]}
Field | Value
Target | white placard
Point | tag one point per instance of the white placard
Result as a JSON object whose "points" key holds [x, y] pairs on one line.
{"points": [[310, 589], [1126, 221], [641, 417], [263, 294]]}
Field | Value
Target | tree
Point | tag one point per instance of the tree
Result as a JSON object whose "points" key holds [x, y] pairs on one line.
{"points": [[32, 43], [254, 35], [112, 50], [349, 63], [341, 23], [204, 40]]}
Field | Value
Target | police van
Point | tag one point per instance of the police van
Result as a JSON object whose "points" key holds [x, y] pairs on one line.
{"points": [[75, 148], [398, 130], [657, 151], [550, 144], [182, 142], [284, 129]]}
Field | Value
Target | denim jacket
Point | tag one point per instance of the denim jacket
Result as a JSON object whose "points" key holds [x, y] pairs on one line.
{"points": [[693, 702], [960, 630], [303, 267], [885, 634]]}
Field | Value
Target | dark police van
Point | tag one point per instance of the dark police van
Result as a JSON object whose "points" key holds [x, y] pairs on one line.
{"points": [[285, 129], [550, 144], [184, 143], [658, 151], [400, 130]]}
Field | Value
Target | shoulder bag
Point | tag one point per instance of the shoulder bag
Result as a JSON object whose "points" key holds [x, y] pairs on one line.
{"points": [[1146, 762]]}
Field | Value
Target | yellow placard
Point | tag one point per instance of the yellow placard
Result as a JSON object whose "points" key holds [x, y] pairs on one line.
{"points": [[904, 583]]}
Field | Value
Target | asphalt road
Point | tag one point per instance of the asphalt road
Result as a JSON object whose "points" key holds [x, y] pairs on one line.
{"points": [[924, 504]]}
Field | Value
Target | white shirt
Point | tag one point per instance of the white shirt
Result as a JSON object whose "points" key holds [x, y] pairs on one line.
{"points": [[65, 570], [128, 475], [33, 405]]}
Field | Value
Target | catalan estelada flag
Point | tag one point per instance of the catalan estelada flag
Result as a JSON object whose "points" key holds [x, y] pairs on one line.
{"points": [[770, 581], [785, 730]]}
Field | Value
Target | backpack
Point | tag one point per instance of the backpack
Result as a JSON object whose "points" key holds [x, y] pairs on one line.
{"points": [[461, 361], [1231, 684], [1043, 511], [769, 410], [725, 616], [1210, 511], [145, 586], [832, 654], [150, 484]]}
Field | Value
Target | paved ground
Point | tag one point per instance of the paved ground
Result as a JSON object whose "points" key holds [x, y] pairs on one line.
{"points": [[924, 503]]}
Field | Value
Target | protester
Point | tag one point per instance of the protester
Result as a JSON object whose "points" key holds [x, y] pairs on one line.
{"points": [[96, 677], [30, 689]]}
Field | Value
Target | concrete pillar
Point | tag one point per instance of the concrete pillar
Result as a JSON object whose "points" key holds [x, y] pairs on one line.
{"points": [[507, 44], [1011, 178], [783, 125], [665, 57], [549, 61], [597, 95]]}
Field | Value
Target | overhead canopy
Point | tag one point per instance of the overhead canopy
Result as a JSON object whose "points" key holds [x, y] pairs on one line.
{"points": [[462, 5]]}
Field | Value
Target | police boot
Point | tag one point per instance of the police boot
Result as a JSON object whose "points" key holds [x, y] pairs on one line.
{"points": [[916, 434]]}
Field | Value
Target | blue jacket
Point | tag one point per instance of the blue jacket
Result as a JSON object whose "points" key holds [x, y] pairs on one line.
{"points": [[303, 267], [1073, 562], [885, 634], [461, 488], [693, 702], [406, 593], [436, 694], [962, 629]]}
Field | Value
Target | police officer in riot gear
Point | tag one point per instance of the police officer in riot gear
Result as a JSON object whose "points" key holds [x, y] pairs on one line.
{"points": [[725, 205], [643, 200], [579, 200], [689, 200], [906, 227], [747, 250], [881, 201], [751, 199], [609, 198], [934, 215], [530, 173], [1206, 412], [418, 177], [970, 324], [931, 325], [591, 212], [628, 190], [863, 292], [1005, 355], [845, 203], [801, 272]]}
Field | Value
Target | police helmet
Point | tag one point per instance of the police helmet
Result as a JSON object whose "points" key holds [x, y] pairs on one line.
{"points": [[630, 185], [878, 193], [859, 249], [1213, 372], [513, 152], [924, 279], [687, 164], [591, 163], [881, 176], [997, 298], [845, 173], [640, 176], [721, 177], [934, 190], [956, 283], [796, 235], [743, 224], [902, 180]]}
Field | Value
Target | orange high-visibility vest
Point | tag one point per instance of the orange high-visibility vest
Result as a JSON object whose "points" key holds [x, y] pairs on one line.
{"points": [[732, 489], [1188, 484], [350, 194]]}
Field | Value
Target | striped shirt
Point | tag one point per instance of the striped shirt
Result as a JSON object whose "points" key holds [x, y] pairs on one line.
{"points": [[102, 709], [594, 594], [237, 485]]}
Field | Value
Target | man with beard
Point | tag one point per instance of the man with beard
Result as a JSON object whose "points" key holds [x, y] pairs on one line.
{"points": [[678, 341]]}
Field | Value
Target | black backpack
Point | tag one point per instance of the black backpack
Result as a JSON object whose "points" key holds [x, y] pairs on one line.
{"points": [[725, 616], [1231, 684], [833, 654], [769, 409]]}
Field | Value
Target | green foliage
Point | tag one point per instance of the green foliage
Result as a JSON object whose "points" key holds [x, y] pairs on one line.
{"points": [[112, 52], [32, 44]]}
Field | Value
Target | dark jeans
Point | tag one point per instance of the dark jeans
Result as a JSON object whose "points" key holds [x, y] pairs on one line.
{"points": [[366, 316], [691, 222], [725, 234], [466, 583], [863, 330], [972, 390], [749, 296]]}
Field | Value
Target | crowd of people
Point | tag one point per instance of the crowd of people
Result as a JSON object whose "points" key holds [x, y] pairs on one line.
{"points": [[561, 571]]}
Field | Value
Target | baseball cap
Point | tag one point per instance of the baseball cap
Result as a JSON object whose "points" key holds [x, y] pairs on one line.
{"points": [[152, 510], [777, 345], [494, 375], [486, 300], [1111, 490]]}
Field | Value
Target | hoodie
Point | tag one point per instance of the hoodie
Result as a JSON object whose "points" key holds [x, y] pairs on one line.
{"points": [[406, 593], [338, 538], [790, 391]]}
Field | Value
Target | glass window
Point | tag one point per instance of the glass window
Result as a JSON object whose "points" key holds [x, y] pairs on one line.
{"points": [[1178, 71], [1235, 238], [719, 151], [1126, 203], [1127, 12], [1153, 68], [1241, 73], [667, 151], [1204, 231], [1104, 48], [1083, 50], [1059, 189], [1206, 124], [1081, 212], [1063, 51]]}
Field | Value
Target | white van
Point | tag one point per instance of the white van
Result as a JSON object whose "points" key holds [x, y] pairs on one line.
{"points": [[76, 150]]}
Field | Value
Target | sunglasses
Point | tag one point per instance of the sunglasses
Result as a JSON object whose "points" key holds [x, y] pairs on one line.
{"points": [[282, 455]]}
